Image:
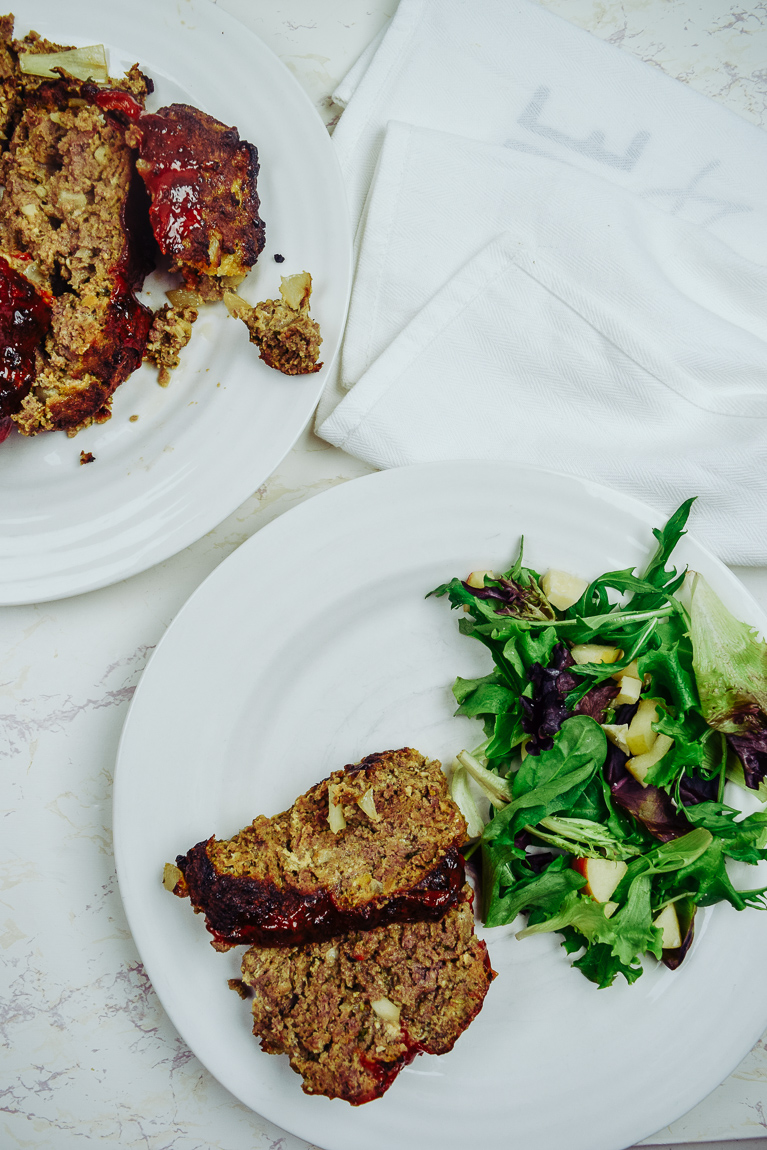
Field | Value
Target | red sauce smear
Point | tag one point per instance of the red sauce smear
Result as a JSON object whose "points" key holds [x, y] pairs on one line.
{"points": [[25, 315], [173, 175], [244, 910], [386, 1072], [113, 100]]}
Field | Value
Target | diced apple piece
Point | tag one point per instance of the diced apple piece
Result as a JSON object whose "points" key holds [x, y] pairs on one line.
{"points": [[641, 736], [595, 653], [610, 909], [629, 690], [602, 876], [477, 578], [562, 589], [616, 733], [632, 671], [668, 924], [639, 765]]}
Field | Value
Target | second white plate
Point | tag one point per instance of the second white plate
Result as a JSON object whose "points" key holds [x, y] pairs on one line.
{"points": [[312, 646]]}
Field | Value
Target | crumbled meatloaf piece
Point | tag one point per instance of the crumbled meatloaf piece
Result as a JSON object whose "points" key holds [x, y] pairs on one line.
{"points": [[201, 180], [292, 879], [351, 1011], [170, 332], [72, 224], [287, 337]]}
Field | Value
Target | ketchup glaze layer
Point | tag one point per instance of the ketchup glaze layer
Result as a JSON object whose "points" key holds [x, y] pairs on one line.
{"points": [[25, 315]]}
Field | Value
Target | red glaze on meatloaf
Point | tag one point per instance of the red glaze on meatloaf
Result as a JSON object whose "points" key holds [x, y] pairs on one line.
{"points": [[394, 856], [201, 179]]}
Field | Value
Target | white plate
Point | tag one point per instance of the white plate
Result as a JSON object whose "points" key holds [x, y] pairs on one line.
{"points": [[312, 646], [203, 445]]}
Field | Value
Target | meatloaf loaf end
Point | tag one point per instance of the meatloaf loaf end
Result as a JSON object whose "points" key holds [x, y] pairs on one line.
{"points": [[201, 179], [375, 843], [351, 1012]]}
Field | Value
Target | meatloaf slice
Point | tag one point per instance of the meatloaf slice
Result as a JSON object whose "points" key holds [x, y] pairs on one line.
{"points": [[201, 179], [351, 1011], [390, 853], [71, 224]]}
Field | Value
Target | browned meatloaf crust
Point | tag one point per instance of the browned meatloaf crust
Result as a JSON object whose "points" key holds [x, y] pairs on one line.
{"points": [[291, 879], [201, 179], [351, 1011]]}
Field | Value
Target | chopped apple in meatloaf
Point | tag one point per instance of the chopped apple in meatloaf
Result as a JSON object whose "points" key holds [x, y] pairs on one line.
{"points": [[377, 842], [287, 338], [201, 180], [350, 1012]]}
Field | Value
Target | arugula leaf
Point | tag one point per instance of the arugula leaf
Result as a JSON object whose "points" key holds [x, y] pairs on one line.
{"points": [[745, 840], [668, 537], [601, 966]]}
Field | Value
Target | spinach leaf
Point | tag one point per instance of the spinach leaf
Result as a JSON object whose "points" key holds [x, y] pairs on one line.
{"points": [[553, 780]]}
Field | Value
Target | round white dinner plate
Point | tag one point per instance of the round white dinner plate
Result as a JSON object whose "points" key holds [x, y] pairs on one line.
{"points": [[204, 444], [312, 646]]}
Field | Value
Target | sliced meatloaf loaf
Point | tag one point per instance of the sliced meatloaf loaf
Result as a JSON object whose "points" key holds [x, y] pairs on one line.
{"points": [[377, 842], [351, 1011]]}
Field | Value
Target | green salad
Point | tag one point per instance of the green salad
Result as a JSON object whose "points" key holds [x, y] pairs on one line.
{"points": [[613, 715]]}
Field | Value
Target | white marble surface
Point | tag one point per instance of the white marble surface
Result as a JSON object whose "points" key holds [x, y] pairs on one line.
{"points": [[88, 1056]]}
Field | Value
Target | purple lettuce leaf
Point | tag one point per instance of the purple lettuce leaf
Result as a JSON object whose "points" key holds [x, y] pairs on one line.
{"points": [[545, 712], [751, 748], [596, 701], [693, 790], [649, 805]]}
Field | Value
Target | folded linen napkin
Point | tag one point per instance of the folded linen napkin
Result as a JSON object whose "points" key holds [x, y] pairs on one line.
{"points": [[509, 71], [552, 390], [673, 294], [580, 290]]}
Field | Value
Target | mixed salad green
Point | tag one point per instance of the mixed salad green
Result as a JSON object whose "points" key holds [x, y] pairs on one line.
{"points": [[613, 715]]}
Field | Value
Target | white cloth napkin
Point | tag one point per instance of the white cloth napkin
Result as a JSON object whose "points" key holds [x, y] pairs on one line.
{"points": [[556, 305]]}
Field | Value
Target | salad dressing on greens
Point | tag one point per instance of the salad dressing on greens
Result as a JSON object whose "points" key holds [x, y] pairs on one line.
{"points": [[611, 726]]}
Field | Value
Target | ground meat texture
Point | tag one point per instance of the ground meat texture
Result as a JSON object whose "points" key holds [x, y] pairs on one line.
{"points": [[292, 879], [351, 1011], [71, 224], [201, 179], [288, 339], [170, 332]]}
